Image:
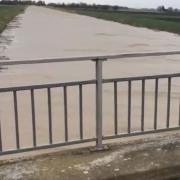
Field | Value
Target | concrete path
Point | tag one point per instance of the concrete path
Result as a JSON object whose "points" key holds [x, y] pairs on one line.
{"points": [[47, 33]]}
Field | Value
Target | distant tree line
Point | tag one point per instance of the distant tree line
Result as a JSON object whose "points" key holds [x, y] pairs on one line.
{"points": [[108, 7], [88, 6], [63, 5], [83, 6], [169, 9], [17, 2]]}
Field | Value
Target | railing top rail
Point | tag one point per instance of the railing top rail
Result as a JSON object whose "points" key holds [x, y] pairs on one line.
{"points": [[88, 58]]}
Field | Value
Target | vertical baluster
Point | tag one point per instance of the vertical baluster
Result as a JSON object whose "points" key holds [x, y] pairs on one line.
{"points": [[129, 106], [81, 111], [156, 103], [0, 138], [142, 105], [179, 113], [99, 104], [16, 119], [168, 101], [33, 117], [50, 115], [115, 109], [65, 114]]}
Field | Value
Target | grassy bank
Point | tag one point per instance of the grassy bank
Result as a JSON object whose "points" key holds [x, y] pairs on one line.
{"points": [[156, 21], [7, 13]]}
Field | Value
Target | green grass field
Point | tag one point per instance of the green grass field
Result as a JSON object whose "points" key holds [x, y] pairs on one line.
{"points": [[7, 13], [156, 21]]}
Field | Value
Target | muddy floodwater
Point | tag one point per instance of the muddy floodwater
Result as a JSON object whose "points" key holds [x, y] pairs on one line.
{"points": [[45, 33]]}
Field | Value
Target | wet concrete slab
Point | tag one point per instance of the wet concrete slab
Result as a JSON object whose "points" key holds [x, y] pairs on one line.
{"points": [[152, 157]]}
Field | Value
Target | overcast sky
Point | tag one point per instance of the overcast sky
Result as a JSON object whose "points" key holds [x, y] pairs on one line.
{"points": [[128, 3]]}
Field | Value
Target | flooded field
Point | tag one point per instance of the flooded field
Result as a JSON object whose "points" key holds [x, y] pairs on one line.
{"points": [[46, 33]]}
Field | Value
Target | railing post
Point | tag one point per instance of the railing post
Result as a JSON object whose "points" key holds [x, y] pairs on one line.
{"points": [[99, 99]]}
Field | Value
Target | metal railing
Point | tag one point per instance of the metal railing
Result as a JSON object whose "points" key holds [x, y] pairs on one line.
{"points": [[98, 82]]}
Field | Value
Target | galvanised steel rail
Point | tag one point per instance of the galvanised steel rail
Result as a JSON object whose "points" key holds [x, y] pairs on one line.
{"points": [[110, 57], [99, 81]]}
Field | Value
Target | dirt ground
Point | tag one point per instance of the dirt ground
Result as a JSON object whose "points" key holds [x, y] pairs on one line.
{"points": [[46, 33]]}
